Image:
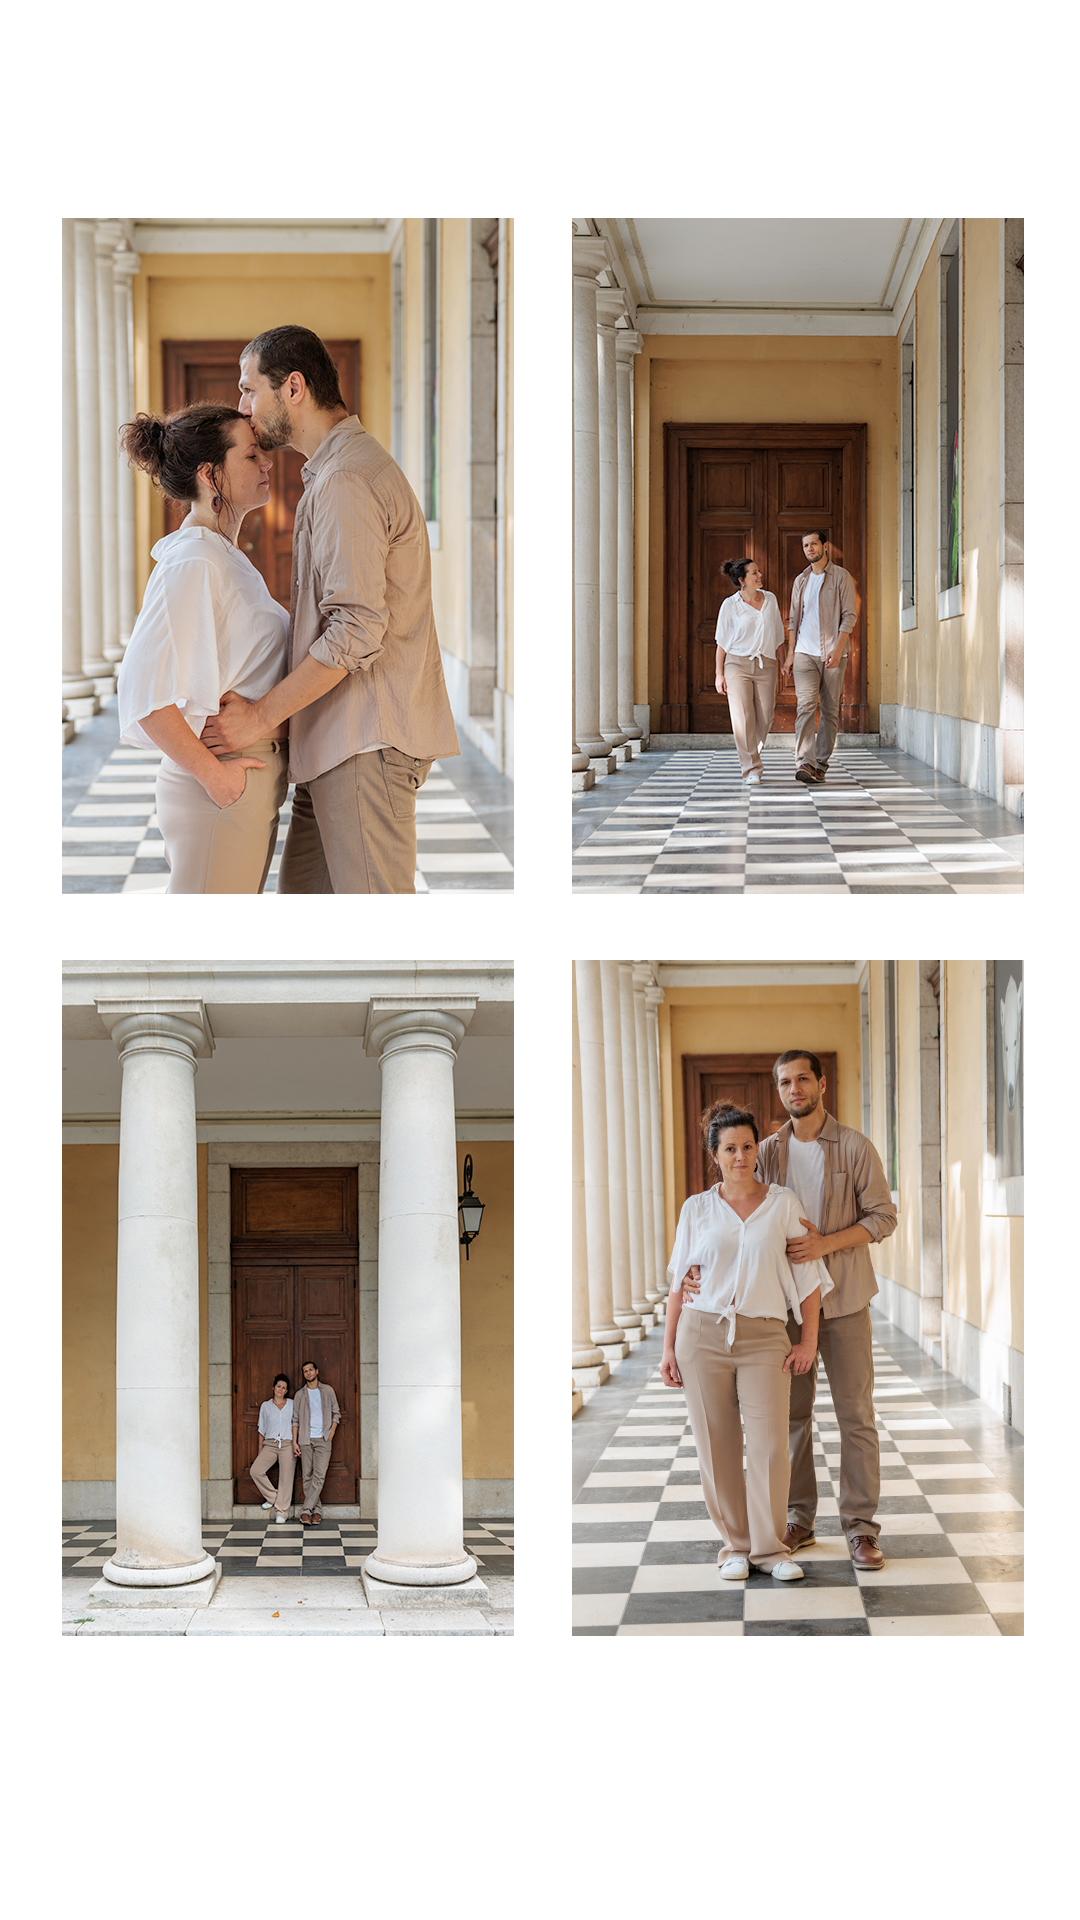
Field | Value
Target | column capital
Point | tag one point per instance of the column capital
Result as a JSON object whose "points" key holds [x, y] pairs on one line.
{"points": [[126, 264], [591, 256], [158, 1026], [643, 973], [654, 997], [627, 345], [108, 236], [399, 1022], [610, 306]]}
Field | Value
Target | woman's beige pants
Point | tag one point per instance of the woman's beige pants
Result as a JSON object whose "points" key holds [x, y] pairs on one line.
{"points": [[281, 1495], [751, 697], [722, 1382], [213, 849]]}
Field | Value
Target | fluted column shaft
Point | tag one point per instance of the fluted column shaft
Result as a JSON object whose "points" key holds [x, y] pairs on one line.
{"points": [[607, 393], [633, 1138], [653, 999], [586, 508], [621, 1288], [108, 237], [95, 665], [76, 684], [125, 266], [585, 1354], [605, 1331], [420, 1468], [627, 345], [642, 977]]}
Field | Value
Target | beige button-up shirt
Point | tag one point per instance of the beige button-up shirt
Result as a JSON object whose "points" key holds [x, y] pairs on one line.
{"points": [[838, 604], [361, 599], [856, 1195]]}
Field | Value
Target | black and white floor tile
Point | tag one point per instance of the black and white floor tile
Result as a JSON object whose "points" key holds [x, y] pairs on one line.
{"points": [[112, 842], [883, 822], [261, 1546], [951, 1516]]}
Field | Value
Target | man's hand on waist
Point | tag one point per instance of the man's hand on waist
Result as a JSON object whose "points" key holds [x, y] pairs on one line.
{"points": [[238, 725]]}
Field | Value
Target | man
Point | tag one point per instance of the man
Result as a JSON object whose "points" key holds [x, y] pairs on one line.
{"points": [[365, 694], [844, 1195], [824, 609], [314, 1424]]}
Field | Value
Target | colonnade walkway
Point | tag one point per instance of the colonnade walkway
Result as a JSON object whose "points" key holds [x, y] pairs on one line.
{"points": [[951, 1516], [883, 822], [112, 843]]}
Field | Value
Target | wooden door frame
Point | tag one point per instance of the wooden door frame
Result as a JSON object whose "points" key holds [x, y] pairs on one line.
{"points": [[679, 438], [698, 1066]]}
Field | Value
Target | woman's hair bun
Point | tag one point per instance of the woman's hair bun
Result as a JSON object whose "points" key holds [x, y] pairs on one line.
{"points": [[735, 569], [143, 440]]}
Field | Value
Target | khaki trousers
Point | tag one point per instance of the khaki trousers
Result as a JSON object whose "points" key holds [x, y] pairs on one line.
{"points": [[281, 1495], [213, 849], [816, 685], [751, 696], [722, 1383], [353, 828], [314, 1461], [844, 1345]]}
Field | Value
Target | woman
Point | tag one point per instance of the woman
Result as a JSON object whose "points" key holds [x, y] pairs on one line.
{"points": [[749, 640], [208, 626], [275, 1430], [729, 1346]]}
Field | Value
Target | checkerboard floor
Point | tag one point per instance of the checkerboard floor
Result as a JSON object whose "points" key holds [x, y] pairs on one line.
{"points": [[261, 1546], [882, 823], [112, 842], [951, 1517]]}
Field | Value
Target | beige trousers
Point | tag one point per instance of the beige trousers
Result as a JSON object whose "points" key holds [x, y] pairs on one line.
{"points": [[213, 849], [281, 1495], [816, 685], [844, 1345], [722, 1383], [314, 1461], [353, 828], [751, 697]]}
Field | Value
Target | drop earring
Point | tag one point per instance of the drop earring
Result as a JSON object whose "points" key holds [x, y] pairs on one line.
{"points": [[217, 503]]}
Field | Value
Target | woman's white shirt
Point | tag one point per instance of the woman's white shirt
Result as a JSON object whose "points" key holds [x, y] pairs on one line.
{"points": [[747, 632], [744, 1264], [275, 1423], [209, 625]]}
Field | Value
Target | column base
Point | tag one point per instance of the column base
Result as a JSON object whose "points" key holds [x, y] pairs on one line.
{"points": [[602, 765], [104, 684], [583, 781], [421, 1570], [193, 1593], [82, 707], [69, 732], [590, 1377], [145, 1576], [613, 1352], [391, 1593]]}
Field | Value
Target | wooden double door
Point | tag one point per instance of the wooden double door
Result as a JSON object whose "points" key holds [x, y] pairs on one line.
{"points": [[746, 1079], [194, 370], [295, 1277], [751, 492]]}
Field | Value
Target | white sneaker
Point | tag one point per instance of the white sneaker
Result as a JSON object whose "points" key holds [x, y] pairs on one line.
{"points": [[787, 1570], [753, 779], [280, 1519], [267, 1503], [736, 1568]]}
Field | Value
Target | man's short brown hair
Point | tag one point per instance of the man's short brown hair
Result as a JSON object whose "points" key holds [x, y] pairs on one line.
{"points": [[797, 1053], [285, 350]]}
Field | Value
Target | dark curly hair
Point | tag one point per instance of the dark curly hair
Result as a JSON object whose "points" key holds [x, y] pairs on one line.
{"points": [[172, 447], [719, 1119], [737, 570]]}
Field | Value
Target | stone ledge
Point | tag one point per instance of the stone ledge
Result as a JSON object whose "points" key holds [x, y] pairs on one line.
{"points": [[198, 1593], [467, 1593]]}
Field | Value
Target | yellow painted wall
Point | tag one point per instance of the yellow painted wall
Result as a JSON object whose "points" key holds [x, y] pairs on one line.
{"points": [[448, 559], [898, 1257], [752, 1020], [487, 1318], [768, 379], [952, 666], [184, 296], [985, 1252], [88, 1338]]}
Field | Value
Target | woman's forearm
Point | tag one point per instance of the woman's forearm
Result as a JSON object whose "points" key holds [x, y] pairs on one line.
{"points": [[168, 730], [811, 1308], [671, 1322]]}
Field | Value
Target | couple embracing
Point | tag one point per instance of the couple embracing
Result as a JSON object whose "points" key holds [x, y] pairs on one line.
{"points": [[344, 695], [750, 642], [771, 1267]]}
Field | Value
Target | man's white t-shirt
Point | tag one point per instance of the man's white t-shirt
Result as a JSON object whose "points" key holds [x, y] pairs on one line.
{"points": [[315, 1404], [809, 640], [806, 1177]]}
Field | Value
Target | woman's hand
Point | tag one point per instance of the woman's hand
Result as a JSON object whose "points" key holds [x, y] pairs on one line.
{"points": [[721, 682], [801, 1358], [669, 1369], [691, 1285], [227, 779]]}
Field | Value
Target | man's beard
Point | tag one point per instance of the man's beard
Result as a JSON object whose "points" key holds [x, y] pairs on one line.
{"points": [[274, 432]]}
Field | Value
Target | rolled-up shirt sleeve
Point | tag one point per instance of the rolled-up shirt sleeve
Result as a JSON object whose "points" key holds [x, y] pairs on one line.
{"points": [[873, 1200], [349, 544], [849, 604]]}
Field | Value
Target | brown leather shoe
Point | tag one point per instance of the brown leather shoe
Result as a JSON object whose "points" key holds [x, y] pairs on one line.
{"points": [[796, 1537], [866, 1553], [305, 1519], [819, 776], [806, 775]]}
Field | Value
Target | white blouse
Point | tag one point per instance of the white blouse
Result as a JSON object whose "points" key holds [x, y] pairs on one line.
{"points": [[275, 1423], [749, 633], [744, 1264], [209, 625]]}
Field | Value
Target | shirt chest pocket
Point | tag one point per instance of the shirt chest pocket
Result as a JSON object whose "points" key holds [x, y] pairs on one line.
{"points": [[840, 1203]]}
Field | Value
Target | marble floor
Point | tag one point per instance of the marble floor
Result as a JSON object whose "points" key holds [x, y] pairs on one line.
{"points": [[883, 822], [951, 1516], [112, 843]]}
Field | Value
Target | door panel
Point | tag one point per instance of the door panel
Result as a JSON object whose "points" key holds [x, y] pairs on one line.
{"points": [[194, 370], [295, 1299], [746, 1079], [751, 492]]}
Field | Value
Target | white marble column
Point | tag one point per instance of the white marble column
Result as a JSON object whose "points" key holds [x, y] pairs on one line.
{"points": [[108, 237], [627, 345], [606, 1332], [77, 686], [633, 1137], [125, 266], [420, 1493], [621, 1290], [590, 258], [653, 999], [590, 1369], [95, 665], [609, 306], [158, 1473], [642, 980]]}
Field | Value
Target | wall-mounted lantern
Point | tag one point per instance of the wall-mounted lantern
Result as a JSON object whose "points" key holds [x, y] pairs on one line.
{"points": [[470, 1209]]}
